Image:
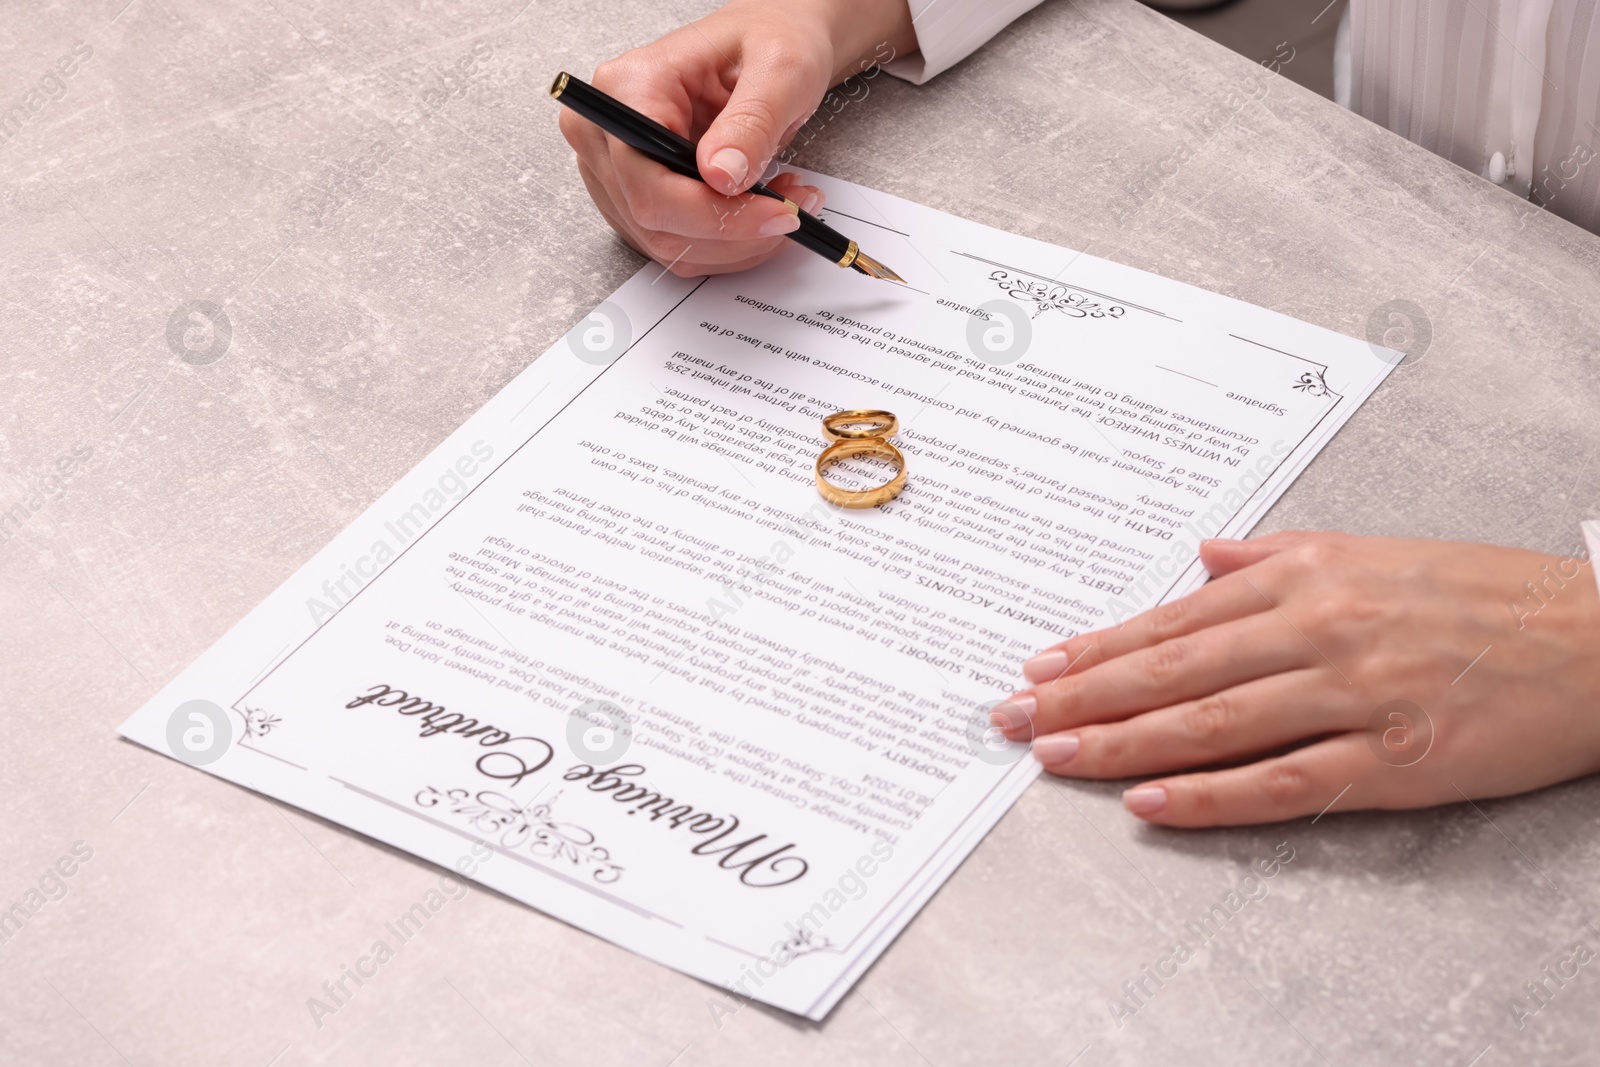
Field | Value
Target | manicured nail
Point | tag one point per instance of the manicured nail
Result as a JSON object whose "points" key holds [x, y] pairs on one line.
{"points": [[785, 223], [1055, 749], [1145, 799], [1046, 666], [812, 203], [733, 163], [1015, 713]]}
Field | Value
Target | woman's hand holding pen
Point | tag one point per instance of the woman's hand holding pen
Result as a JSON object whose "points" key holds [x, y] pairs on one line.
{"points": [[741, 81], [1300, 642]]}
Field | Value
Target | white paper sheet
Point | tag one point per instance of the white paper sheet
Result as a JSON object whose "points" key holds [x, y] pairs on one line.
{"points": [[609, 629]]}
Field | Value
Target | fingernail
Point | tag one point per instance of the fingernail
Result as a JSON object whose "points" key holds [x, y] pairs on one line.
{"points": [[785, 223], [812, 203], [733, 163], [1015, 713], [1145, 799], [1055, 749], [1046, 666]]}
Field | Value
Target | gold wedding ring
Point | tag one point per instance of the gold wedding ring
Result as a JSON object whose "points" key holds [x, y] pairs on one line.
{"points": [[860, 433], [860, 424]]}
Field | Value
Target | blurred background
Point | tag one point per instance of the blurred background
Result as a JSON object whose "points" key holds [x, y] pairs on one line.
{"points": [[1255, 29]]}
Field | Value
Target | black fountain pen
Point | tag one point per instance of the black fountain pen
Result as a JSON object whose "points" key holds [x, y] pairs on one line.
{"points": [[677, 153]]}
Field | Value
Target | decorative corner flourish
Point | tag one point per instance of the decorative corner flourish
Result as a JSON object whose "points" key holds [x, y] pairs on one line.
{"points": [[258, 723], [804, 943], [1314, 383]]}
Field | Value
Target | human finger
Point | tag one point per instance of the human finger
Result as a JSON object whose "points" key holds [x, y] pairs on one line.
{"points": [[1303, 782], [661, 200], [1212, 604], [778, 87], [1245, 720], [1225, 555], [1183, 668]]}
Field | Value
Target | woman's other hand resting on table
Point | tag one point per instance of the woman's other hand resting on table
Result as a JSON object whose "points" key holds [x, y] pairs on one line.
{"points": [[741, 81], [1327, 645]]}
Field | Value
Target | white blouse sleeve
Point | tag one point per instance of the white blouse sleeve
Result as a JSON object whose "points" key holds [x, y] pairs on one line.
{"points": [[1591, 537], [949, 31]]}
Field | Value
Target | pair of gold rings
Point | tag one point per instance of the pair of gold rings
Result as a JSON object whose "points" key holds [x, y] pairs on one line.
{"points": [[860, 432]]}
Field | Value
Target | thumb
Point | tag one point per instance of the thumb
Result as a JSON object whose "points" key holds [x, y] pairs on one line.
{"points": [[773, 95], [1225, 555]]}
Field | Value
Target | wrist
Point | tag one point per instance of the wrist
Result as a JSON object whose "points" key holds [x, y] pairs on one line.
{"points": [[867, 33], [857, 33]]}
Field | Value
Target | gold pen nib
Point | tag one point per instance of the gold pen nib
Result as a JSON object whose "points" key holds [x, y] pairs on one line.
{"points": [[873, 269]]}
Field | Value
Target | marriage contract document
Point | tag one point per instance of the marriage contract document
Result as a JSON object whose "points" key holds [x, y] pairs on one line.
{"points": [[608, 651]]}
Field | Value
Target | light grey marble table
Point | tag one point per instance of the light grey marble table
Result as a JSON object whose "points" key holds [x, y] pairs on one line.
{"points": [[377, 196]]}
